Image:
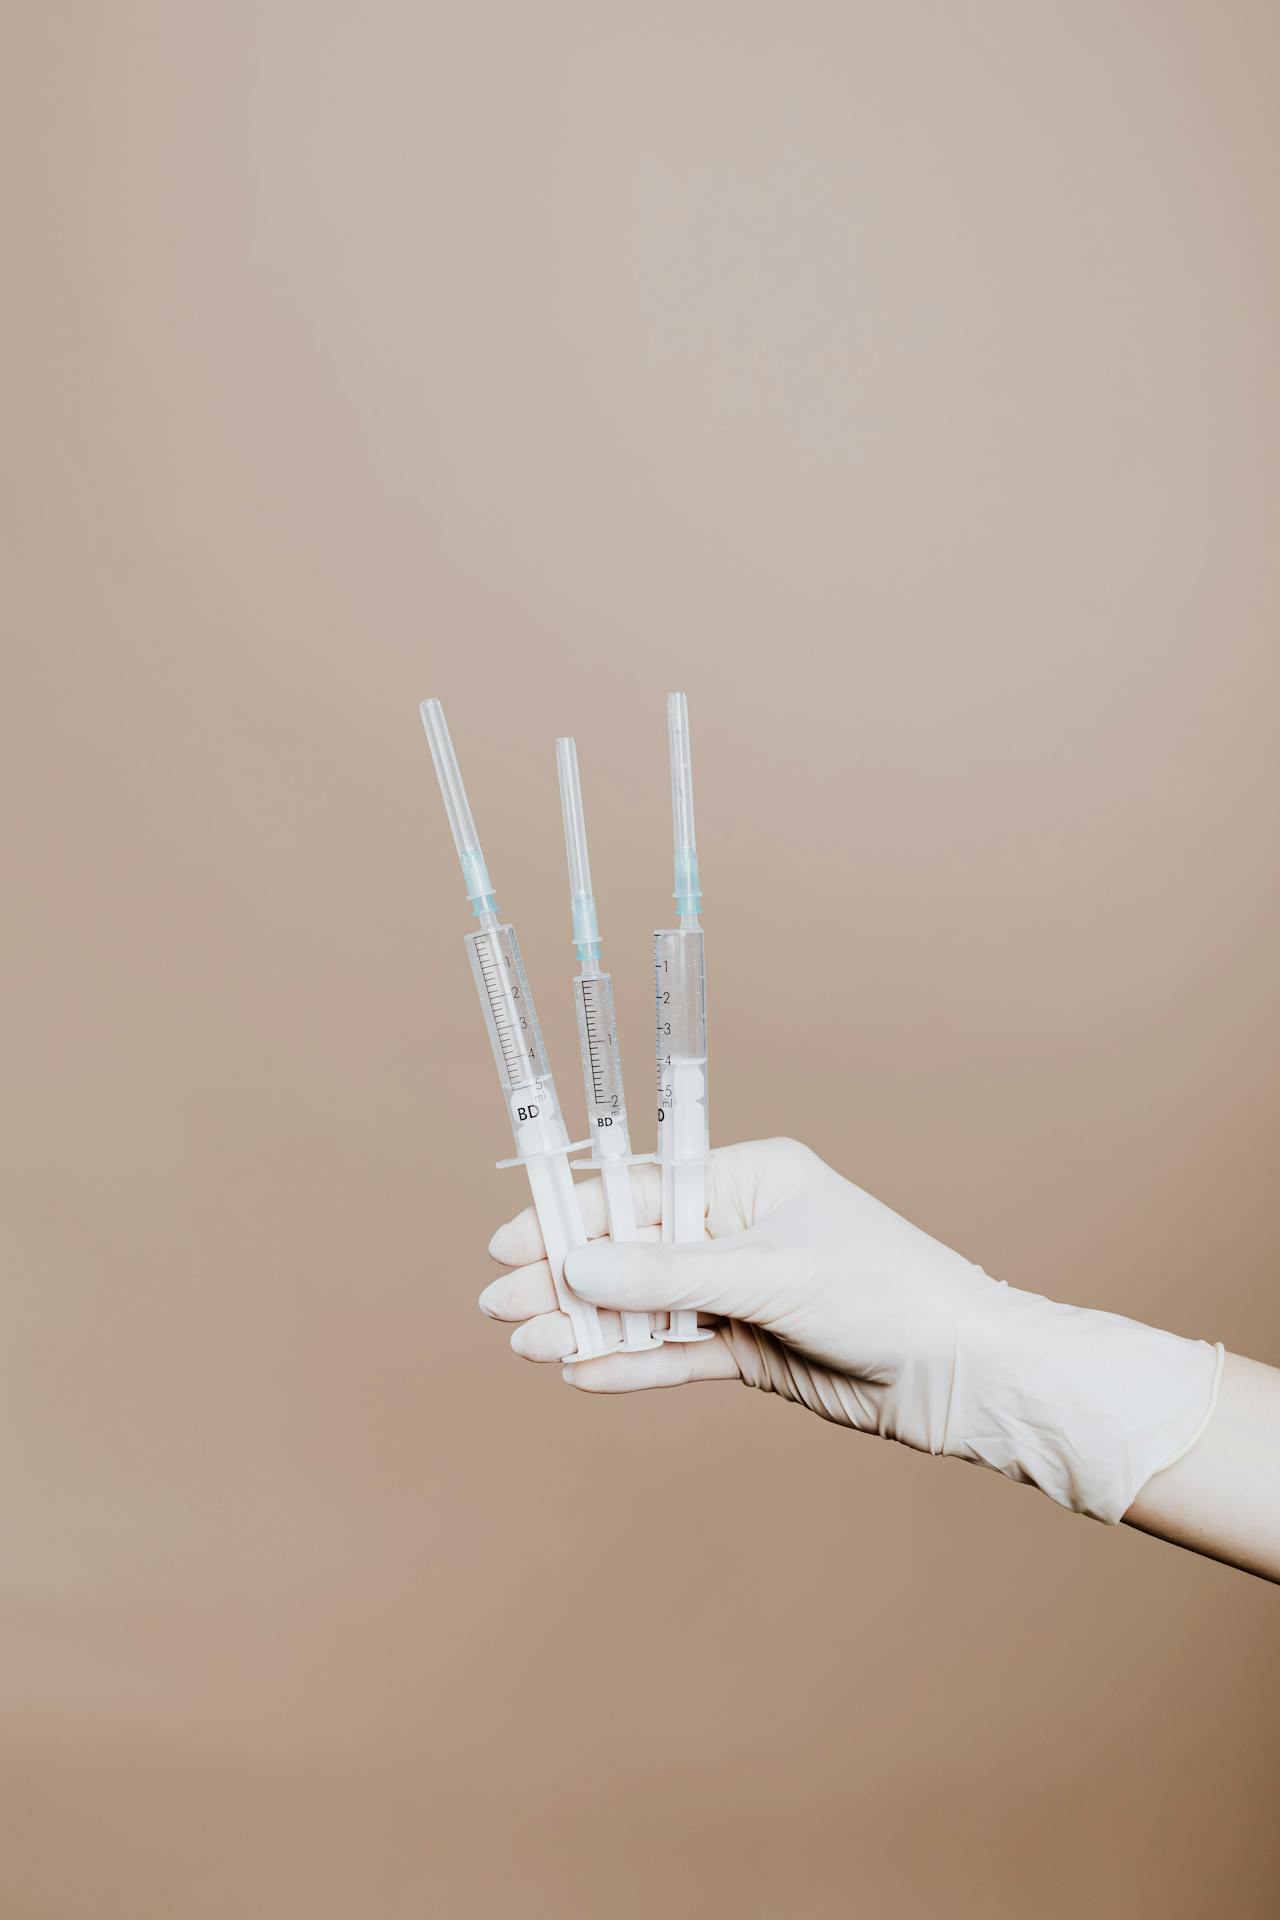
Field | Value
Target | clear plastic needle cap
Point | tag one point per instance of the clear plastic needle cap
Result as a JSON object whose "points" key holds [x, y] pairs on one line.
{"points": [[582, 902], [688, 888], [456, 805]]}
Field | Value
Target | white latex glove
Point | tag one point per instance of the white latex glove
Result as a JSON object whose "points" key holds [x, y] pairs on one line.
{"points": [[824, 1296]]}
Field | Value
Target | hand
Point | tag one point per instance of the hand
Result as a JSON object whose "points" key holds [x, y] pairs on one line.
{"points": [[823, 1295]]}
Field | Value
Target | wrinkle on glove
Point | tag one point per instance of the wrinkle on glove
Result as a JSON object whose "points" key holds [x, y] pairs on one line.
{"points": [[830, 1299], [1060, 1434]]}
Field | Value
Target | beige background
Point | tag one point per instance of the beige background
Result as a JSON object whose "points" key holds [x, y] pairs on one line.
{"points": [[901, 380]]}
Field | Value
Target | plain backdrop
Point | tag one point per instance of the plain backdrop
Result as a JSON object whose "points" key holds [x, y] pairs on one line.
{"points": [[900, 379]]}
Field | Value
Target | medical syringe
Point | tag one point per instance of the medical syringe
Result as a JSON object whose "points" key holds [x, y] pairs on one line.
{"points": [[680, 996], [611, 1154], [541, 1142]]}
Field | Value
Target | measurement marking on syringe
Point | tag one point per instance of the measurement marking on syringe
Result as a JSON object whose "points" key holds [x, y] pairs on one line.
{"points": [[511, 1053], [597, 1070]]}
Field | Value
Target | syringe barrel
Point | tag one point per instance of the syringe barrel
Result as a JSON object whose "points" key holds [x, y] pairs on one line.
{"points": [[537, 1125], [524, 1071], [601, 1065], [680, 1002]]}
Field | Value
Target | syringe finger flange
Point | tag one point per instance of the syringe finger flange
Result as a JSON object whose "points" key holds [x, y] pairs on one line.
{"points": [[523, 1159], [596, 1160]]}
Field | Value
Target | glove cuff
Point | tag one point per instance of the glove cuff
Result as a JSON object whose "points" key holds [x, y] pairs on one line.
{"points": [[1082, 1404]]}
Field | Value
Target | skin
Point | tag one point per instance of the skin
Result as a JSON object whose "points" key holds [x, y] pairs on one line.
{"points": [[1222, 1499]]}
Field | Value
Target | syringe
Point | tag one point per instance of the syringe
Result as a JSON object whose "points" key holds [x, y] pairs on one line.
{"points": [[542, 1144], [611, 1153], [680, 995]]}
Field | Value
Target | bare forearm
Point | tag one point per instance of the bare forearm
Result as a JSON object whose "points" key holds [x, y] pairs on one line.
{"points": [[1223, 1497]]}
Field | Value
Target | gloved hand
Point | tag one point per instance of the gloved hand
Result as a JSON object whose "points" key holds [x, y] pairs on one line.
{"points": [[821, 1294]]}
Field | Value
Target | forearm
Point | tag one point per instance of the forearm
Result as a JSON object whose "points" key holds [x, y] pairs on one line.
{"points": [[1223, 1497]]}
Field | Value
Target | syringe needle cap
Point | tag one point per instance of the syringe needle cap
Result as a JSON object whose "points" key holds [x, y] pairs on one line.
{"points": [[465, 838], [586, 931], [575, 825], [688, 892]]}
